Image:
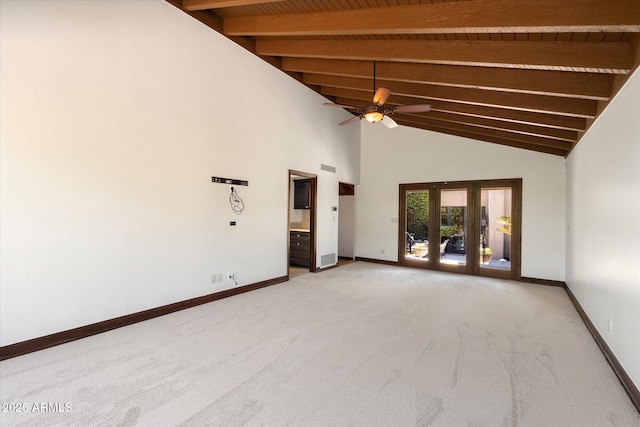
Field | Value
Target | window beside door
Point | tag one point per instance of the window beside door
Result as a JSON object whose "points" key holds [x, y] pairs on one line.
{"points": [[495, 227], [416, 230]]}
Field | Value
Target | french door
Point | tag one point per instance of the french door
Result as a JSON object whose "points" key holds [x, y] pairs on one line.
{"points": [[470, 227]]}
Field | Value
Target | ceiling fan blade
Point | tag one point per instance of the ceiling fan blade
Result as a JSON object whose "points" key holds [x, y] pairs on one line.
{"points": [[381, 96], [389, 122], [350, 107], [351, 120], [413, 108]]}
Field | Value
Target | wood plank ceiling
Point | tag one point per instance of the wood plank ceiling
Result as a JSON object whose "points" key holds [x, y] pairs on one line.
{"points": [[531, 74]]}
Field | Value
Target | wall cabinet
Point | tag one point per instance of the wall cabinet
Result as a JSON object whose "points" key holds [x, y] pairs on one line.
{"points": [[302, 194], [299, 248]]}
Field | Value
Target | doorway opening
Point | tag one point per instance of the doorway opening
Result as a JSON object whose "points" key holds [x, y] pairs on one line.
{"points": [[346, 222], [301, 238]]}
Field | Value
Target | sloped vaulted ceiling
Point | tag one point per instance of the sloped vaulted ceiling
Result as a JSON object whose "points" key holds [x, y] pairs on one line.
{"points": [[531, 74]]}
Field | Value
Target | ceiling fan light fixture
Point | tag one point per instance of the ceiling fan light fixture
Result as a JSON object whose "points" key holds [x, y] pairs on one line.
{"points": [[373, 116]]}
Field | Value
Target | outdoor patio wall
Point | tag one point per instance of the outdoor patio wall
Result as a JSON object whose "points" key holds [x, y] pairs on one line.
{"points": [[115, 116], [603, 222], [404, 155]]}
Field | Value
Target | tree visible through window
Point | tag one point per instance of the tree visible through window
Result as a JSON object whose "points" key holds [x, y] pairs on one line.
{"points": [[418, 215]]}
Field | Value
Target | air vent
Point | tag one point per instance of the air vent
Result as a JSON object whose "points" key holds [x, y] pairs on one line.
{"points": [[328, 259], [328, 168]]}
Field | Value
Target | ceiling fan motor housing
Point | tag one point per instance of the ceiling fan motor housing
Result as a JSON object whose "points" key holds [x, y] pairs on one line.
{"points": [[374, 112]]}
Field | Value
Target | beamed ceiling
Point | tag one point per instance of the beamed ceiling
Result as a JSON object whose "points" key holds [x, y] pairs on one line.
{"points": [[531, 74]]}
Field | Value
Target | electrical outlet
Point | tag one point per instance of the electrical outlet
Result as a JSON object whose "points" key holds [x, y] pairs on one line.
{"points": [[610, 326], [216, 278], [231, 275]]}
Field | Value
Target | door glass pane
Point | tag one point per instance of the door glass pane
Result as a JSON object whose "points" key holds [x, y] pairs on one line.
{"points": [[453, 226], [417, 225], [495, 228]]}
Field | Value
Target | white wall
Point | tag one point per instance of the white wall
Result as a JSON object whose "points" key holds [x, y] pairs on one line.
{"points": [[603, 238], [404, 155], [115, 115]]}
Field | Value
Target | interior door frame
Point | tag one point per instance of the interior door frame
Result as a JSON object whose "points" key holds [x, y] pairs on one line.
{"points": [[312, 220], [472, 238], [346, 190]]}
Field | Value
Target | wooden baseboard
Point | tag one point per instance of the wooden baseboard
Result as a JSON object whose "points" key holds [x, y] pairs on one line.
{"points": [[58, 338], [544, 282], [626, 381], [376, 261], [320, 269]]}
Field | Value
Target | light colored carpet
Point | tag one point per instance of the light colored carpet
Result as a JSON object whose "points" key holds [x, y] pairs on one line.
{"points": [[359, 345]]}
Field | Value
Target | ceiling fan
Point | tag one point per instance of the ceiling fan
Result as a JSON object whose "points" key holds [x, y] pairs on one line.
{"points": [[377, 111]]}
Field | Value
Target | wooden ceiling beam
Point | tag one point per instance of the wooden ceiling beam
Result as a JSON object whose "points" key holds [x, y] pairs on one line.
{"points": [[497, 16], [192, 5], [355, 97], [516, 101], [207, 17], [588, 57], [487, 138], [521, 128], [555, 83], [497, 133], [529, 74]]}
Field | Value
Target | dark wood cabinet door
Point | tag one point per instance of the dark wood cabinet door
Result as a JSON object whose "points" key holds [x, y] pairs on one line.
{"points": [[302, 194], [299, 248]]}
